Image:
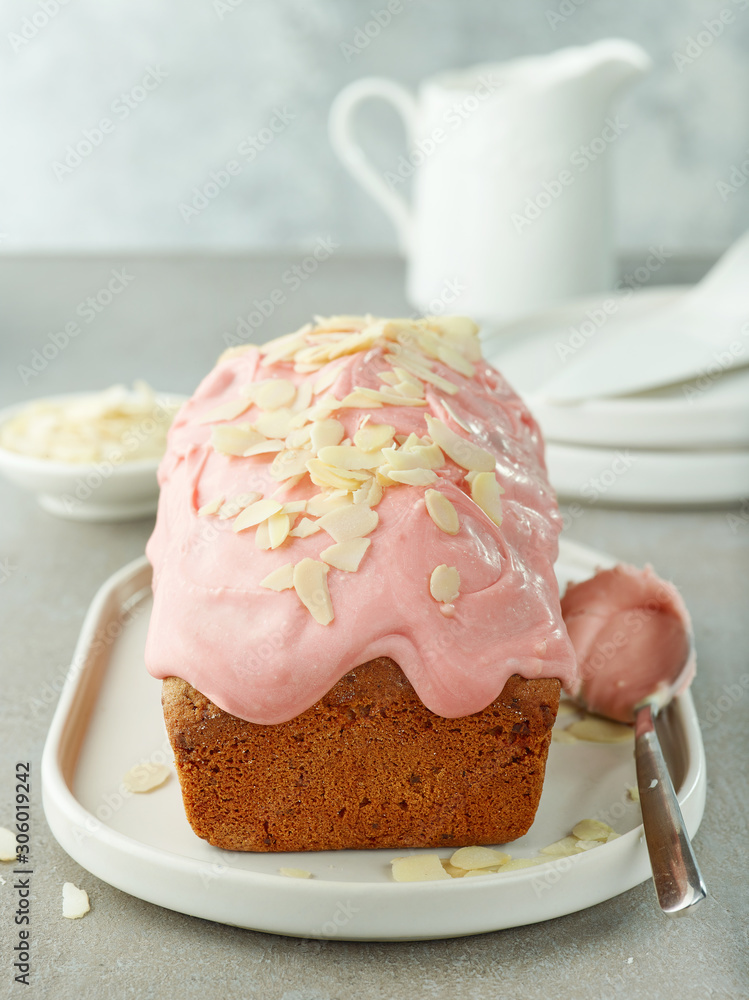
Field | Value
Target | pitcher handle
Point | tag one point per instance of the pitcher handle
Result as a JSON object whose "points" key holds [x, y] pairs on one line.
{"points": [[352, 155]]}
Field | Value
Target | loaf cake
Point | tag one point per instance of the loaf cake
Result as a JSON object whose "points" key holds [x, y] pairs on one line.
{"points": [[356, 618]]}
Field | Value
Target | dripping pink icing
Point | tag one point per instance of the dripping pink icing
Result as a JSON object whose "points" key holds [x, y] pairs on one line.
{"points": [[259, 655]]}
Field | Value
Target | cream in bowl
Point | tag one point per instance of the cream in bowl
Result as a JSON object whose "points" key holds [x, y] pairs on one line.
{"points": [[89, 456]]}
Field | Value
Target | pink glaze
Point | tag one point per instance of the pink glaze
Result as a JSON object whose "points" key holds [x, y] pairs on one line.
{"points": [[631, 633], [259, 654]]}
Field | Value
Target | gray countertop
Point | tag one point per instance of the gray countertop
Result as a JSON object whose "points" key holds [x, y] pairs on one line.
{"points": [[167, 325]]}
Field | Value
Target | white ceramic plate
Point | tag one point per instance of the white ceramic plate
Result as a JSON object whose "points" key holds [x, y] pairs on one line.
{"points": [[109, 719]]}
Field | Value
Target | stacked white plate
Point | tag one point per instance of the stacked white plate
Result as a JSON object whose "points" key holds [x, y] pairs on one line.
{"points": [[682, 445]]}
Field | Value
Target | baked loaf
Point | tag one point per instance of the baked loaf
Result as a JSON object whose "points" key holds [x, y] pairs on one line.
{"points": [[355, 611], [366, 766]]}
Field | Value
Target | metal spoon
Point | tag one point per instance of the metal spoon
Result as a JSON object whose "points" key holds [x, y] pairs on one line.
{"points": [[676, 874]]}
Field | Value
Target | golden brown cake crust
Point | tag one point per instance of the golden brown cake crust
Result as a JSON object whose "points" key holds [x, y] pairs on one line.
{"points": [[367, 766]]}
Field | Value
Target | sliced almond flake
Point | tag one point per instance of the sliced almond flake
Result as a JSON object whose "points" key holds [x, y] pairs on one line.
{"points": [[265, 448], [275, 423], [262, 537], [463, 452], [401, 458], [279, 526], [8, 849], [375, 493], [295, 872], [290, 463], [475, 872], [349, 457], [282, 578], [304, 528], [234, 505], [211, 507], [471, 858], [382, 478], [451, 870], [295, 506], [346, 555], [563, 848], [312, 589], [325, 475], [75, 902], [486, 492], [612, 836], [515, 864], [288, 485], [412, 477], [428, 456], [360, 400], [418, 868], [352, 521], [326, 433], [303, 399], [633, 792], [235, 439], [588, 845], [373, 437], [389, 378], [408, 389], [386, 398], [455, 360], [444, 583], [591, 829], [226, 411], [597, 730], [320, 410], [255, 513], [406, 376], [323, 503], [275, 393], [299, 437], [442, 512], [562, 736], [421, 371], [146, 777], [327, 377]]}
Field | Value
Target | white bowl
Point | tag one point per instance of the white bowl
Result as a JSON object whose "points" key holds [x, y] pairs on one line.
{"points": [[82, 491]]}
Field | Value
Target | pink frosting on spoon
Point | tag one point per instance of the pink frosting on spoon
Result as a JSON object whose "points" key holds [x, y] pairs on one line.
{"points": [[259, 654], [631, 633]]}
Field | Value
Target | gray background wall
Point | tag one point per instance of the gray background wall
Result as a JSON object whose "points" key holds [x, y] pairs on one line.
{"points": [[230, 63]]}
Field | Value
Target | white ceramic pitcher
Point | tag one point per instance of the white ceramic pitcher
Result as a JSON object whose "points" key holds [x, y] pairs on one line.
{"points": [[509, 168]]}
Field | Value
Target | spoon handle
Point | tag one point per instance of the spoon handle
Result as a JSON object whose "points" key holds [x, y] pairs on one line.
{"points": [[677, 877]]}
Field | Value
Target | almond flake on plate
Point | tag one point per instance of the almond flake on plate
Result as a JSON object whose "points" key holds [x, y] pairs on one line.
{"points": [[145, 777], [470, 858], [280, 579], [346, 555], [563, 848], [442, 512], [295, 872], [598, 730], [75, 902], [255, 513], [515, 864], [312, 589], [463, 452], [591, 829], [444, 583], [418, 868]]}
